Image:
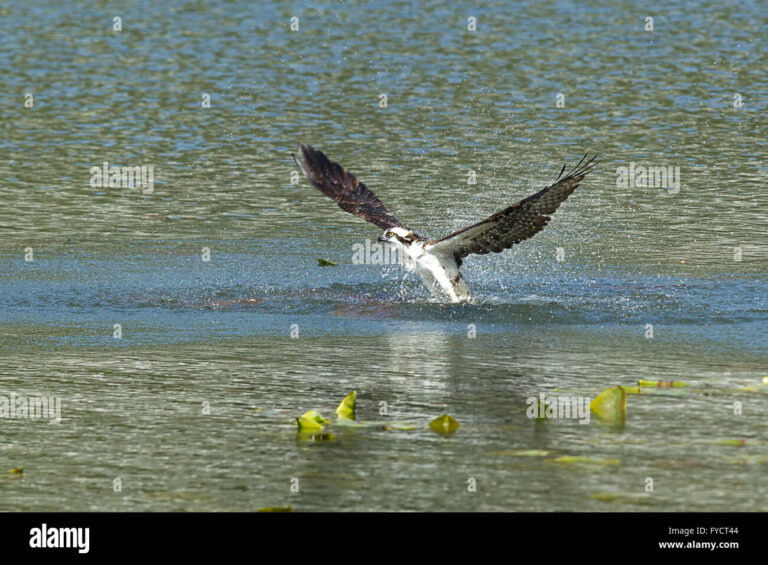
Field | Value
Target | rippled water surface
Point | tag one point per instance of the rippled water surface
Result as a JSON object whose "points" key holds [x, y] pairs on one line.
{"points": [[654, 283]]}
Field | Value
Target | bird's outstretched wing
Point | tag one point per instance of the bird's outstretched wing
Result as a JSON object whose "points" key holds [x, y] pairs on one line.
{"points": [[349, 193], [514, 224]]}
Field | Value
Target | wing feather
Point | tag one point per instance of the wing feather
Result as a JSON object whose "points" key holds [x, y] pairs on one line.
{"points": [[516, 223], [339, 184]]}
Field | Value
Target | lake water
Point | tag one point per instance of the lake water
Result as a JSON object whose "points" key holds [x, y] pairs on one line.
{"points": [[193, 406]]}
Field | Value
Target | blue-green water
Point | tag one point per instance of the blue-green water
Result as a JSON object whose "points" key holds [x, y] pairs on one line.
{"points": [[195, 334]]}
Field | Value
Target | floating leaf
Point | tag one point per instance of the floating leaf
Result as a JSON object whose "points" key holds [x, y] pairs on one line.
{"points": [[445, 424], [399, 427], [611, 404], [325, 263], [661, 384], [309, 435], [624, 497], [582, 460], [18, 471], [311, 421], [759, 387], [524, 453], [346, 409], [736, 442], [276, 509]]}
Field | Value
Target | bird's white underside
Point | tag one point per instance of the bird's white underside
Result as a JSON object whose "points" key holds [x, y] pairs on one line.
{"points": [[439, 273]]}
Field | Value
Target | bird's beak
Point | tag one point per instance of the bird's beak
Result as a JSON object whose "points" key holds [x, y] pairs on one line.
{"points": [[382, 238]]}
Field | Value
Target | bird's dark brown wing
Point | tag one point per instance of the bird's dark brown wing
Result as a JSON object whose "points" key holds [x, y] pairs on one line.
{"points": [[349, 193], [514, 224]]}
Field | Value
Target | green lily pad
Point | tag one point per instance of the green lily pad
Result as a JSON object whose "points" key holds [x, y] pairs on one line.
{"points": [[311, 421], [276, 509], [444, 424], [325, 263], [734, 442], [582, 460], [611, 404], [661, 384], [346, 409]]}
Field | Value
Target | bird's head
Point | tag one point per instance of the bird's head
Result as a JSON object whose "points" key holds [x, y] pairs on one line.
{"points": [[398, 235]]}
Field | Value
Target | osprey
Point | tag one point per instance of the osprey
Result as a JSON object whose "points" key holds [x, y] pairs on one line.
{"points": [[437, 261]]}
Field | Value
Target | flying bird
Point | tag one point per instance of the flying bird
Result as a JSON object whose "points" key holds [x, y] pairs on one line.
{"points": [[437, 261]]}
